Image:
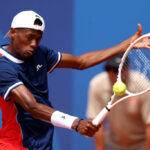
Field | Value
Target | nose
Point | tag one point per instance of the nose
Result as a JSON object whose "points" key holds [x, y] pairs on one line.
{"points": [[33, 43]]}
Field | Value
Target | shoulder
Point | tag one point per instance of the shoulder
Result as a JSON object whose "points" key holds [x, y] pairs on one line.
{"points": [[45, 49], [5, 64], [47, 52], [42, 48]]}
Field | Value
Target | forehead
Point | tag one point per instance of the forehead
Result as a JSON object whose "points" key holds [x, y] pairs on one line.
{"points": [[27, 31]]}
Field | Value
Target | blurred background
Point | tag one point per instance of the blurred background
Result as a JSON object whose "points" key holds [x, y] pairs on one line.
{"points": [[76, 27]]}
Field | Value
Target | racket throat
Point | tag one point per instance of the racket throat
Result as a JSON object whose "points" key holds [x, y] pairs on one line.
{"points": [[108, 109]]}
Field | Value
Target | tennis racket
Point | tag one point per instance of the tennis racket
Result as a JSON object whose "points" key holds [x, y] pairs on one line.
{"points": [[133, 63]]}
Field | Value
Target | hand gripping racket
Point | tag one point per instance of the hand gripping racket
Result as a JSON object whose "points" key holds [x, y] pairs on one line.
{"points": [[134, 63]]}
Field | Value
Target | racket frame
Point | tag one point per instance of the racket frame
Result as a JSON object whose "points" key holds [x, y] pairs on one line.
{"points": [[103, 113]]}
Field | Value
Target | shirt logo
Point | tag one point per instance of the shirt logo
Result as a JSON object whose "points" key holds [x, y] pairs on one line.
{"points": [[38, 67]]}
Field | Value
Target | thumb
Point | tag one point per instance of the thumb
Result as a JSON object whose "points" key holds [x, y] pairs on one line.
{"points": [[139, 31]]}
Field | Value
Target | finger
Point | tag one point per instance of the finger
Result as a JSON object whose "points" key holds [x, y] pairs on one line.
{"points": [[89, 134], [140, 27], [139, 31], [88, 130], [91, 129], [147, 47], [90, 126]]}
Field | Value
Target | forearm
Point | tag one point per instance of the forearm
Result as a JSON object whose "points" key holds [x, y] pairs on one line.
{"points": [[50, 115], [40, 111], [25, 99], [93, 58], [60, 119], [96, 57]]}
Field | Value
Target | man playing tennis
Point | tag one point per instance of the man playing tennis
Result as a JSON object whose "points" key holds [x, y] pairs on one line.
{"points": [[27, 114]]}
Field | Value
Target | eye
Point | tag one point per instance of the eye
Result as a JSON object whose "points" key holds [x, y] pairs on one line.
{"points": [[38, 40], [29, 37]]}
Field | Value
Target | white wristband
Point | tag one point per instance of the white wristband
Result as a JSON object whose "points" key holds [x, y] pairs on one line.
{"points": [[62, 120]]}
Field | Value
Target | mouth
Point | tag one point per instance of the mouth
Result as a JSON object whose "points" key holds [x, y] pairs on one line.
{"points": [[30, 52]]}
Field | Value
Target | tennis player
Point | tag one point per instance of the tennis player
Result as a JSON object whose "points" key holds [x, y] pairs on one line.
{"points": [[28, 118]]}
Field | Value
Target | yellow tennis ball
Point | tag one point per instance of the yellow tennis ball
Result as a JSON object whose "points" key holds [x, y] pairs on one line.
{"points": [[119, 88]]}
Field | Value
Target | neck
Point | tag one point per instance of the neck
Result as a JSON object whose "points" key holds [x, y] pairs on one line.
{"points": [[12, 50]]}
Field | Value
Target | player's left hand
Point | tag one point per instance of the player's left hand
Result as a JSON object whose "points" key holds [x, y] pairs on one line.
{"points": [[144, 43], [137, 34]]}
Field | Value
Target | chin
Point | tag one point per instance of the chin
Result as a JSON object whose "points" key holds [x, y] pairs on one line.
{"points": [[24, 57], [27, 55]]}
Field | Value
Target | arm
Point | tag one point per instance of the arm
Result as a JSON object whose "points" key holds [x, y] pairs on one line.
{"points": [[25, 99], [99, 139], [93, 58], [28, 103]]}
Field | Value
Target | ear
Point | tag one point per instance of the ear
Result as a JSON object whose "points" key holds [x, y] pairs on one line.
{"points": [[12, 33]]}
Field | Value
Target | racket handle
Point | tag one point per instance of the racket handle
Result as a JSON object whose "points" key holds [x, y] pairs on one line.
{"points": [[101, 116]]}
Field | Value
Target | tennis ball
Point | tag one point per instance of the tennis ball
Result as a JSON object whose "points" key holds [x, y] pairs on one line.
{"points": [[119, 88]]}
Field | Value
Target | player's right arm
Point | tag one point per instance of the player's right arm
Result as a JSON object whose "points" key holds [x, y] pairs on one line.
{"points": [[23, 96], [25, 99]]}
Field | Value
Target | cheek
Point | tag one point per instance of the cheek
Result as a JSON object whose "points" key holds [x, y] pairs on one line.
{"points": [[20, 44], [19, 48]]}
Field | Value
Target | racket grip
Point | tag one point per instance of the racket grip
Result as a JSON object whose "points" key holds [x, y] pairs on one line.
{"points": [[100, 117]]}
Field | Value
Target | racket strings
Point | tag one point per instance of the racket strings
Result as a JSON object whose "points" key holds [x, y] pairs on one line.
{"points": [[136, 71]]}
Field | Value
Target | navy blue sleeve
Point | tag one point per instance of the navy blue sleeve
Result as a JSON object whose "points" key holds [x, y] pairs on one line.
{"points": [[8, 79], [52, 58]]}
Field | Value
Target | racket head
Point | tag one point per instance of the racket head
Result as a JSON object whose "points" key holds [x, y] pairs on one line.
{"points": [[134, 68]]}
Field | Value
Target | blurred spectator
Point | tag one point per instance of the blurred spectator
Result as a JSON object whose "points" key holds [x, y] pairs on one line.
{"points": [[129, 121]]}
